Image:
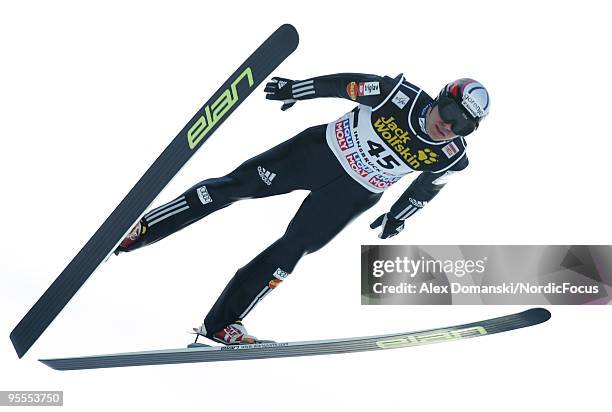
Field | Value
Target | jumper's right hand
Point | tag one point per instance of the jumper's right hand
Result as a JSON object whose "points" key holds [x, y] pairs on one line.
{"points": [[390, 226], [279, 88]]}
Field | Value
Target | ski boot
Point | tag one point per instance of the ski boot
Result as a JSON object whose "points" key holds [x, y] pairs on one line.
{"points": [[233, 334], [132, 237]]}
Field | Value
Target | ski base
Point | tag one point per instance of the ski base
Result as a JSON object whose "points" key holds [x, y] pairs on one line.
{"points": [[196, 354]]}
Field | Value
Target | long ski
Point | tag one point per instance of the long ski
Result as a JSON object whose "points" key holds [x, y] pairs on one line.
{"points": [[214, 112], [323, 347]]}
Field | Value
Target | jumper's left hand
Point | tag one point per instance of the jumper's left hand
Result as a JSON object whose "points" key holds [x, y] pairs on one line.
{"points": [[279, 88]]}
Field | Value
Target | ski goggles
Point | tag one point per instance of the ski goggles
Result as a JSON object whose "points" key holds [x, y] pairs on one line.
{"points": [[452, 113]]}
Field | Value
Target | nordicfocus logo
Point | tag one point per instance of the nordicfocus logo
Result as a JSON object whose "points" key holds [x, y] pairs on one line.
{"points": [[203, 195], [266, 175], [472, 106], [411, 267], [343, 135]]}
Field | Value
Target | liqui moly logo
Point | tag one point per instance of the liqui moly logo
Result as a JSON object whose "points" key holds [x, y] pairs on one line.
{"points": [[382, 182], [343, 135], [357, 165]]}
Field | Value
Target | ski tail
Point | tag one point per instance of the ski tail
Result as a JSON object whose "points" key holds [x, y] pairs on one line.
{"points": [[216, 110], [524, 319]]}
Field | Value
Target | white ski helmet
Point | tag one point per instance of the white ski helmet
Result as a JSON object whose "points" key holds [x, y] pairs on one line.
{"points": [[472, 100]]}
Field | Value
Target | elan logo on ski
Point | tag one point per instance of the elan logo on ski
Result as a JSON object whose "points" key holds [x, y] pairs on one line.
{"points": [[215, 111]]}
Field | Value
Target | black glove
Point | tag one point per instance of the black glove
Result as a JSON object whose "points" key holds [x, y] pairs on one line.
{"points": [[280, 89], [390, 225]]}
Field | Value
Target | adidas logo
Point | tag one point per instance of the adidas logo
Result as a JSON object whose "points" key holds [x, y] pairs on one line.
{"points": [[266, 175], [281, 84]]}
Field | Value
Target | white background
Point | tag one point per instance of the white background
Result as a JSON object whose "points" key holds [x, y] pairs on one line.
{"points": [[91, 94]]}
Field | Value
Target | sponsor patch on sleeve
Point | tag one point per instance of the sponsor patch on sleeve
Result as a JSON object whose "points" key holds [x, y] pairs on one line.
{"points": [[274, 283], [280, 274], [351, 90], [369, 88], [450, 149], [400, 99]]}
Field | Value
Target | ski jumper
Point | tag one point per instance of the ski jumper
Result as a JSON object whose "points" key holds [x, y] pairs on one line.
{"points": [[346, 165]]}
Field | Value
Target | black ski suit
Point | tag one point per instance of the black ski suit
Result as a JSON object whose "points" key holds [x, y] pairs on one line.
{"points": [[346, 165]]}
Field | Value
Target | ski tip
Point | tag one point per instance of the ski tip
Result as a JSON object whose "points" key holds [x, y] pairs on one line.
{"points": [[49, 364], [56, 364], [538, 315], [290, 33]]}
